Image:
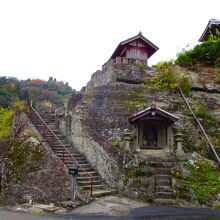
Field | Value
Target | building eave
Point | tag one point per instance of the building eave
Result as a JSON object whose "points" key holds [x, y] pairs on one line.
{"points": [[158, 111], [139, 36], [208, 27]]}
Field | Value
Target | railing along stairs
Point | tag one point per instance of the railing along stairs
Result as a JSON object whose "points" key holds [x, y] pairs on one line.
{"points": [[46, 128], [201, 127]]}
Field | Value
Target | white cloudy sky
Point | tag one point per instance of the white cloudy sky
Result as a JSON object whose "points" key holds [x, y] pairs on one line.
{"points": [[71, 39]]}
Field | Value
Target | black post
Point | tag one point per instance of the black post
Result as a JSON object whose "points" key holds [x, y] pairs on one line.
{"points": [[73, 171]]}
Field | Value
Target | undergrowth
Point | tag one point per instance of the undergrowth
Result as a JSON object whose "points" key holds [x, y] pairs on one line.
{"points": [[6, 119], [170, 77], [203, 179], [207, 53]]}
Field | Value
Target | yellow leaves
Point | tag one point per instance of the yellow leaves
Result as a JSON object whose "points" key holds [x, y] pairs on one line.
{"points": [[19, 105], [6, 119]]}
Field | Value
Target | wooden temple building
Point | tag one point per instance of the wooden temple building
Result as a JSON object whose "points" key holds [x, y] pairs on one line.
{"points": [[134, 49]]}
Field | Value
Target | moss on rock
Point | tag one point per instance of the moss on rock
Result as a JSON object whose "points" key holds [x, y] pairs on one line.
{"points": [[203, 179]]}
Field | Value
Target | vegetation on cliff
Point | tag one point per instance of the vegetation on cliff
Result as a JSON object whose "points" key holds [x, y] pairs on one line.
{"points": [[6, 119], [207, 53], [202, 176], [170, 77]]}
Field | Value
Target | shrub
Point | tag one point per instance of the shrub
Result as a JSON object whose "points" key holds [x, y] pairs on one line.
{"points": [[170, 77], [6, 119], [20, 105], [207, 52], [201, 112]]}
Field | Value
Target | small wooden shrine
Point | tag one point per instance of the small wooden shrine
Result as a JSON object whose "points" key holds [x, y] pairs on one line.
{"points": [[154, 133]]}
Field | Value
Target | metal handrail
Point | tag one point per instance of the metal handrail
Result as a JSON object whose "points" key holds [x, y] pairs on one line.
{"points": [[70, 154], [200, 126]]}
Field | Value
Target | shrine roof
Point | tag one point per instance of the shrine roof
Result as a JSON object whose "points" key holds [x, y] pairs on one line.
{"points": [[153, 111], [152, 48]]}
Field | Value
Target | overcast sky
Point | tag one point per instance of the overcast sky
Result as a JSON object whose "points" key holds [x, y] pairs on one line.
{"points": [[71, 39]]}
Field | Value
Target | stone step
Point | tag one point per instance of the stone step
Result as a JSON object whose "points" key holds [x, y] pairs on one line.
{"points": [[161, 164], [162, 159], [87, 182], [70, 162], [163, 183], [95, 186], [49, 134], [165, 195], [68, 158], [162, 177], [81, 165], [83, 173], [57, 146], [38, 121], [163, 189], [162, 171], [87, 169], [104, 192], [86, 177]]}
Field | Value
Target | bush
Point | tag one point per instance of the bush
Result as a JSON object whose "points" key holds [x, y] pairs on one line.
{"points": [[22, 106], [207, 53], [201, 112], [6, 119], [170, 77]]}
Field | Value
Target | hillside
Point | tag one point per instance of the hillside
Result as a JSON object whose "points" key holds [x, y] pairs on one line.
{"points": [[12, 89]]}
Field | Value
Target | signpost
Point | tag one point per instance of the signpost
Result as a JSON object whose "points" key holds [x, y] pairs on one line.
{"points": [[73, 171]]}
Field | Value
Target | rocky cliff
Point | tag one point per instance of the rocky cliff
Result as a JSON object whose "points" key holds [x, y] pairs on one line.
{"points": [[30, 170], [97, 118]]}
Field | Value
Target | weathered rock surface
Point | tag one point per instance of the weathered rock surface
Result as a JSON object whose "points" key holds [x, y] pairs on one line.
{"points": [[110, 206], [95, 121], [36, 174]]}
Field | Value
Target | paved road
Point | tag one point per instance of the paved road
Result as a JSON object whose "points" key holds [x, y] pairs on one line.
{"points": [[10, 215], [145, 213]]}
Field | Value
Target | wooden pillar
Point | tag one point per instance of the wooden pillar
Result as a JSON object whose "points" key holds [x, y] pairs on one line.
{"points": [[140, 137]]}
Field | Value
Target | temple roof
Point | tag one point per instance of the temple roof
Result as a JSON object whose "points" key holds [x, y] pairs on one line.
{"points": [[152, 48], [212, 24], [153, 112]]}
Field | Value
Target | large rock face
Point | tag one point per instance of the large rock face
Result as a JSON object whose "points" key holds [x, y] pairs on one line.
{"points": [[31, 170], [95, 120]]}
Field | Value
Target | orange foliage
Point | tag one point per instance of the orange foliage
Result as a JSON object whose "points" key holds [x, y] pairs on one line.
{"points": [[37, 81], [45, 92]]}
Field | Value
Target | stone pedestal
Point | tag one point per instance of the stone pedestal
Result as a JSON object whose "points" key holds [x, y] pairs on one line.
{"points": [[179, 145], [127, 138]]}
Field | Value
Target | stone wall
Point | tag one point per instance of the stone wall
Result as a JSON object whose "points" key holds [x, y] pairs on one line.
{"points": [[73, 125], [132, 73]]}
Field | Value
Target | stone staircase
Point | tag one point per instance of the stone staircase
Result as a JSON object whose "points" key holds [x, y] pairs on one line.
{"points": [[163, 186], [57, 141]]}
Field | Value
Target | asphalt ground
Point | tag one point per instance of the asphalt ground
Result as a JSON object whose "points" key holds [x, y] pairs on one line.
{"points": [[144, 213]]}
